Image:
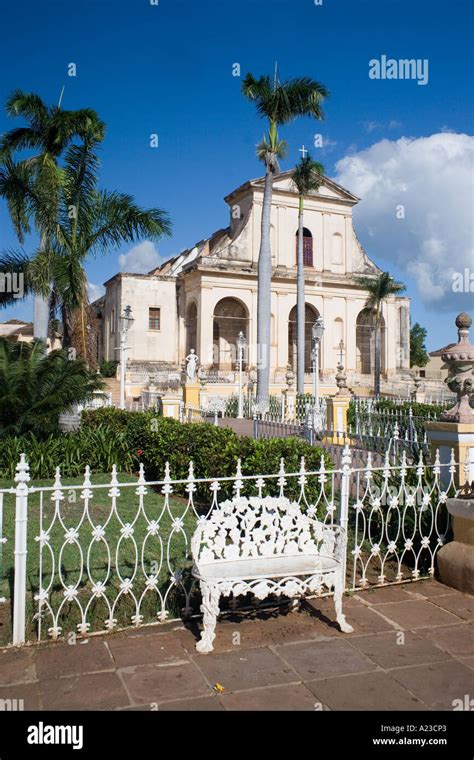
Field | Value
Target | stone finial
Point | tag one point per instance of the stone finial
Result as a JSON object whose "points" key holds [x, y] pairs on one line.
{"points": [[459, 359]]}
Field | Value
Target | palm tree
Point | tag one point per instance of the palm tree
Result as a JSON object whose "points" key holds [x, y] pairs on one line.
{"points": [[36, 387], [307, 178], [279, 103], [49, 131], [379, 289], [87, 221]]}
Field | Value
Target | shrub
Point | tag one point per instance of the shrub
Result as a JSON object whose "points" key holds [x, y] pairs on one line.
{"points": [[69, 451], [108, 368], [214, 451]]}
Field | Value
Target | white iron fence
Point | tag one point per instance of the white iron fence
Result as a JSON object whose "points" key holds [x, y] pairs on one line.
{"points": [[102, 555]]}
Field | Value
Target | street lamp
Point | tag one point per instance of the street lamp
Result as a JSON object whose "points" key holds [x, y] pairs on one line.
{"points": [[125, 322], [317, 334], [241, 344]]}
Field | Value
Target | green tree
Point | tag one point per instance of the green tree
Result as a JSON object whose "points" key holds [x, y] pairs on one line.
{"points": [[419, 356], [83, 221], [279, 103], [379, 289], [48, 132], [36, 387], [307, 178]]}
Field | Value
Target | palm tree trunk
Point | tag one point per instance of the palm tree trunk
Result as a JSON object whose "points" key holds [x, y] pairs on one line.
{"points": [[377, 357], [264, 295], [300, 306], [40, 318], [41, 309]]}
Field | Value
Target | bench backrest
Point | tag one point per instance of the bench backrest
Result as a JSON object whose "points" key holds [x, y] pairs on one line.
{"points": [[261, 527]]}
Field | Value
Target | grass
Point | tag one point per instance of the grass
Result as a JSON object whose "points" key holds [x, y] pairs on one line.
{"points": [[153, 557]]}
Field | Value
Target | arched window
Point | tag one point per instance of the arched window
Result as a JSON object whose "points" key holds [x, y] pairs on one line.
{"points": [[230, 318], [307, 248], [365, 342], [310, 316], [191, 328]]}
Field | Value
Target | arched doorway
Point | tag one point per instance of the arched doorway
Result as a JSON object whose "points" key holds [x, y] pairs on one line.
{"points": [[310, 316], [365, 342], [230, 318], [191, 327], [307, 248]]}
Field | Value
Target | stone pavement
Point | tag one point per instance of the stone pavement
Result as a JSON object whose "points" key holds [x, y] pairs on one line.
{"points": [[412, 649]]}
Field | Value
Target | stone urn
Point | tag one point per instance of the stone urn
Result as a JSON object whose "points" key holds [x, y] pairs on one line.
{"points": [[459, 359]]}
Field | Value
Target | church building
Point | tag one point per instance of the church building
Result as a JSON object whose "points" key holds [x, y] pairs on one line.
{"points": [[205, 296]]}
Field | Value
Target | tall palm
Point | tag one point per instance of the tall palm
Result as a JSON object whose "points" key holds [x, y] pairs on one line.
{"points": [[49, 130], [307, 178], [36, 387], [279, 103], [379, 289], [88, 221]]}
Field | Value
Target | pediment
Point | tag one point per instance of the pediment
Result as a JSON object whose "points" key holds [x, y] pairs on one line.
{"points": [[327, 189]]}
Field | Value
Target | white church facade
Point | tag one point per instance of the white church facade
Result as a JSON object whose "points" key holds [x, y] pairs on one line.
{"points": [[203, 297]]}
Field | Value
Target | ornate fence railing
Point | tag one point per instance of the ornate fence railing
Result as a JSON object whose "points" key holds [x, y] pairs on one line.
{"points": [[105, 554]]}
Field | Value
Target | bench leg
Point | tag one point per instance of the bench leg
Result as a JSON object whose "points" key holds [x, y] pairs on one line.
{"points": [[338, 591], [210, 611]]}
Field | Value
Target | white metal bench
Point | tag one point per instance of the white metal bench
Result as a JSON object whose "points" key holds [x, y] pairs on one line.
{"points": [[265, 546]]}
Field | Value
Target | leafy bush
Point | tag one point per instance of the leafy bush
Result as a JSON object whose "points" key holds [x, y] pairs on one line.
{"points": [[36, 387], [214, 451], [69, 451], [108, 368]]}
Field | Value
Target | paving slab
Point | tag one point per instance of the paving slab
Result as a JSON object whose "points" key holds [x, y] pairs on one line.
{"points": [[96, 691], [416, 614], [245, 669], [152, 684], [195, 704], [429, 588], [17, 666], [368, 691], [158, 649], [62, 659], [292, 697], [439, 684], [459, 604], [21, 696], [396, 649], [384, 594], [362, 618], [458, 640], [320, 659]]}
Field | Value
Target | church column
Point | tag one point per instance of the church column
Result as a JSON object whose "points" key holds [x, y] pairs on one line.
{"points": [[205, 327], [348, 243], [389, 311], [405, 335], [252, 338], [353, 307], [283, 307]]}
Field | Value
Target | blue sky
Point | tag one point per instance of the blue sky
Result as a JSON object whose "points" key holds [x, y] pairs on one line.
{"points": [[167, 69]]}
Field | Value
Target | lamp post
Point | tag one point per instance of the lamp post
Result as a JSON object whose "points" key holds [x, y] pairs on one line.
{"points": [[317, 333], [241, 344], [125, 321]]}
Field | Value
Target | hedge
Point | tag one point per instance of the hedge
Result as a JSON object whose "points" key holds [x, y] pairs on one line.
{"points": [[214, 451]]}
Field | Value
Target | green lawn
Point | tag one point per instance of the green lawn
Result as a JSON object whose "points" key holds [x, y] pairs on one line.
{"points": [[152, 557]]}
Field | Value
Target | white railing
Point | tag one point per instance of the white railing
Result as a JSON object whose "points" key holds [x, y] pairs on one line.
{"points": [[110, 555]]}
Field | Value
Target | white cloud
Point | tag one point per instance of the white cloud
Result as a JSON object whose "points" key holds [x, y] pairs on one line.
{"points": [[141, 259], [431, 177], [95, 291]]}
